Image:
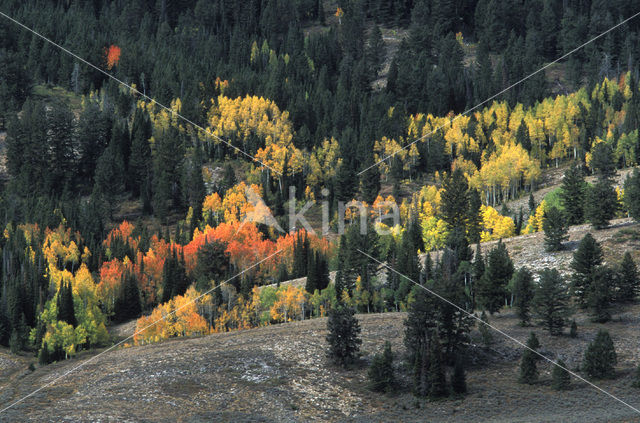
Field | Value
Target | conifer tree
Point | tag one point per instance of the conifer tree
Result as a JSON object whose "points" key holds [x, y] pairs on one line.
{"points": [[551, 301], [485, 330], [474, 218], [459, 378], [572, 195], [587, 258], [212, 264], [528, 368], [627, 280], [632, 194], [601, 203], [532, 204], [573, 332], [523, 292], [436, 376], [343, 338], [312, 274], [600, 357], [561, 377], [492, 286], [66, 311], [555, 229], [600, 295], [381, 374], [533, 342], [43, 355]]}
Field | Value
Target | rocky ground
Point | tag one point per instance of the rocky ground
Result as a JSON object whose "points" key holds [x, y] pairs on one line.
{"points": [[280, 373]]}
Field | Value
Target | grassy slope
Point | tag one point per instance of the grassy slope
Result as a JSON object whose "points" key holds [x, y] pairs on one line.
{"points": [[280, 373]]}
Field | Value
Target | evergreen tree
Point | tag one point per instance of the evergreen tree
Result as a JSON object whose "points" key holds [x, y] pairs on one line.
{"points": [[343, 337], [43, 355], [532, 204], [492, 285], [65, 306], [454, 200], [61, 172], [572, 195], [573, 332], [627, 280], [312, 274], [474, 218], [381, 375], [109, 177], [602, 162], [485, 330], [212, 264], [551, 301], [555, 229], [459, 378], [436, 376], [128, 304], [561, 377], [174, 277], [600, 357], [632, 194], [523, 292], [600, 294], [601, 203], [587, 258], [533, 342], [528, 368]]}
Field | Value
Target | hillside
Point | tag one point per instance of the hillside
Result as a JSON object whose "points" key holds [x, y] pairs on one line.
{"points": [[280, 373]]}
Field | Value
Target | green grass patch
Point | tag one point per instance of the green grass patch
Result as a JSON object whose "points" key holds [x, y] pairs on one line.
{"points": [[553, 199], [50, 94]]}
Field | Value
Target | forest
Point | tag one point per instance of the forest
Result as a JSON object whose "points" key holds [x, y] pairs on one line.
{"points": [[125, 201]]}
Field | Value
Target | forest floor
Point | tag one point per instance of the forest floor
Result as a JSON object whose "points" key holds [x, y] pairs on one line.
{"points": [[281, 373]]}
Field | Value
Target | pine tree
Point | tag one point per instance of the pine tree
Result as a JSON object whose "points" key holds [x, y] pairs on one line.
{"points": [[381, 374], [632, 194], [109, 177], [43, 355], [343, 337], [602, 162], [627, 280], [561, 377], [572, 195], [601, 203], [532, 204], [474, 218], [523, 292], [212, 264], [485, 330], [498, 273], [454, 200], [459, 378], [528, 368], [66, 311], [573, 332], [587, 258], [533, 342], [555, 229], [600, 357], [128, 305], [551, 301], [312, 274], [436, 376], [599, 295]]}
